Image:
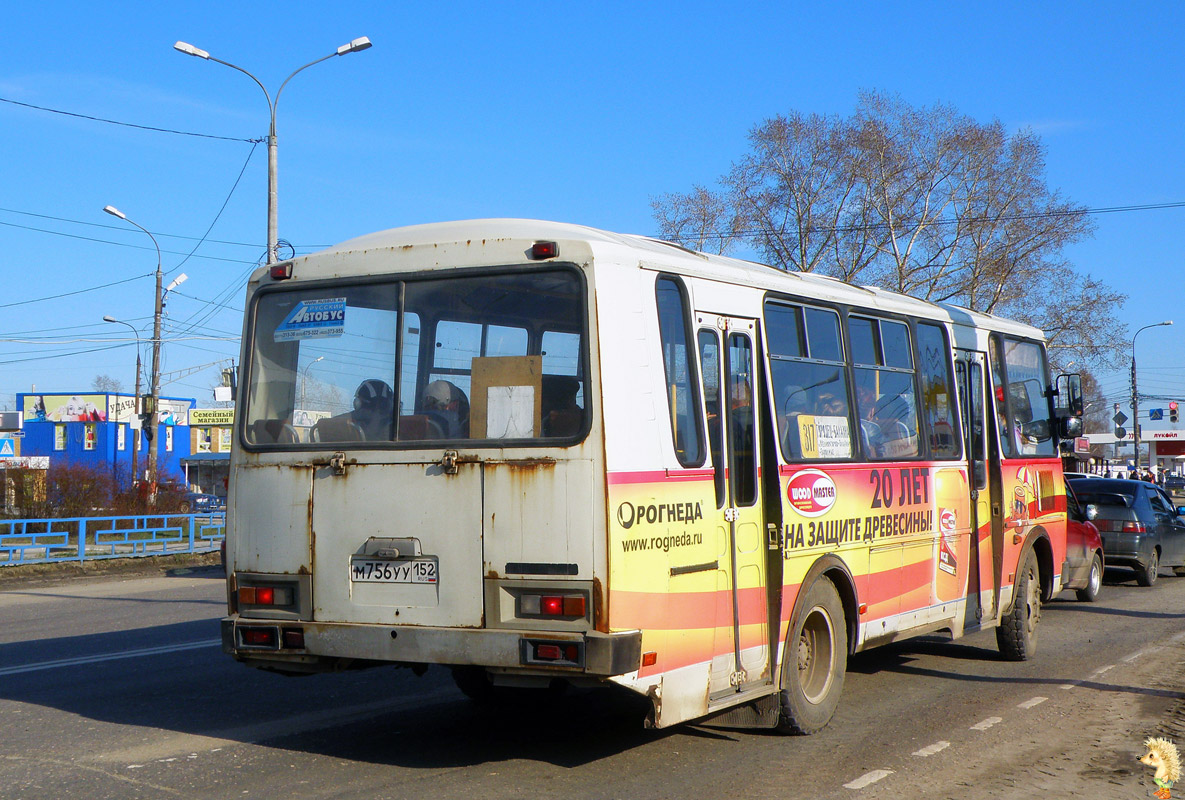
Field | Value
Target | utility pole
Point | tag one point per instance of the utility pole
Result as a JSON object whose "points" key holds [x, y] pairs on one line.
{"points": [[136, 404], [1135, 392], [154, 380]]}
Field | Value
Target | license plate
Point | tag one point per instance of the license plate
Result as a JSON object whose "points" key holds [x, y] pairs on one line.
{"points": [[369, 570]]}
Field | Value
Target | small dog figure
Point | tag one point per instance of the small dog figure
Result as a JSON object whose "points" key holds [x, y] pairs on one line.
{"points": [[1162, 756]]}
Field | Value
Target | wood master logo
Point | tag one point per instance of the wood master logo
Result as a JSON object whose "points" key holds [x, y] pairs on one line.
{"points": [[811, 492]]}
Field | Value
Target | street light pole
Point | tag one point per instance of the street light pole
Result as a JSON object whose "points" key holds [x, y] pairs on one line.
{"points": [[1135, 394], [304, 382], [154, 381], [136, 406], [357, 45]]}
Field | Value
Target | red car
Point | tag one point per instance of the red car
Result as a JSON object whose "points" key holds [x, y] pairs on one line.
{"points": [[1083, 570]]}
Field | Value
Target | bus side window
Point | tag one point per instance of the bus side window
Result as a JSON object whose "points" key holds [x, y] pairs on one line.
{"points": [[885, 397], [679, 366], [1029, 416], [709, 364], [810, 384], [1003, 426], [938, 407]]}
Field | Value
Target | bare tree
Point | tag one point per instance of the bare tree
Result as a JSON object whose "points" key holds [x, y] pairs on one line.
{"points": [[923, 201], [700, 220], [105, 383]]}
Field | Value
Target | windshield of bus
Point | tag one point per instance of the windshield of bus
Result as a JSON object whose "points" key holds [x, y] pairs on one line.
{"points": [[494, 356]]}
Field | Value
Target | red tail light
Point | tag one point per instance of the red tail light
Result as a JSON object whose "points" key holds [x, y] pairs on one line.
{"points": [[553, 605], [543, 250], [1134, 527], [259, 637], [265, 596]]}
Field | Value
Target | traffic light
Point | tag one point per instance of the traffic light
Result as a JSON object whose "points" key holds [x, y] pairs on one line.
{"points": [[1173, 411]]}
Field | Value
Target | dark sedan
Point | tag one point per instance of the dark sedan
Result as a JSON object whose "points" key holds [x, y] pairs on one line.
{"points": [[1141, 527], [199, 503]]}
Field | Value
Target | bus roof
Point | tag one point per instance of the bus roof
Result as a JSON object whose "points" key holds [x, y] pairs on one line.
{"points": [[659, 254]]}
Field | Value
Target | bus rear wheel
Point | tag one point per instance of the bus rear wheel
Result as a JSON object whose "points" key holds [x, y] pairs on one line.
{"points": [[1017, 634], [814, 661]]}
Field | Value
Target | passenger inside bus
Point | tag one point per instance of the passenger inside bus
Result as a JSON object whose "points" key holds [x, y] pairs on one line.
{"points": [[374, 405], [562, 415], [446, 405], [793, 406], [828, 405]]}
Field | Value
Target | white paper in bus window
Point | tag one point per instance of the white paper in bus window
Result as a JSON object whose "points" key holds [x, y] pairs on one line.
{"points": [[824, 436], [510, 412], [313, 319]]}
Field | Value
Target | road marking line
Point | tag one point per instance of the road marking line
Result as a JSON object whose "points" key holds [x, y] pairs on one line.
{"points": [[937, 747], [868, 778], [1099, 672], [1071, 684], [145, 651], [987, 723], [1146, 651], [1036, 701]]}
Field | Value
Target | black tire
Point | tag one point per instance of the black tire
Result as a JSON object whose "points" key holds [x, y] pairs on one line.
{"points": [[184, 506], [1147, 574], [1017, 634], [814, 661], [1090, 592], [474, 683]]}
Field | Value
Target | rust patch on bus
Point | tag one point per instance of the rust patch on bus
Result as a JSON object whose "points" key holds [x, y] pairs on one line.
{"points": [[312, 537], [525, 463]]}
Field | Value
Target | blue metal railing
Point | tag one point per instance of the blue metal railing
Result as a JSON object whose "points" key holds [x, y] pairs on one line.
{"points": [[41, 541]]}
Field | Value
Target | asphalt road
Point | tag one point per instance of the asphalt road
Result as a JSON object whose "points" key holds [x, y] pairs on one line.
{"points": [[117, 688]]}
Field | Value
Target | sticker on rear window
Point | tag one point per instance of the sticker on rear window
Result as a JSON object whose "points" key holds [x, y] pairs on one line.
{"points": [[312, 319]]}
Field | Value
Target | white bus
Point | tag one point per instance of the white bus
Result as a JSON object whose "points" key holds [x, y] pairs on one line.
{"points": [[534, 451]]}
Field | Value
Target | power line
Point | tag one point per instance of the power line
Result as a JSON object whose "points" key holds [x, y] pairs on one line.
{"points": [[308, 247], [128, 124], [223, 208], [80, 291], [119, 244], [122, 228], [957, 220]]}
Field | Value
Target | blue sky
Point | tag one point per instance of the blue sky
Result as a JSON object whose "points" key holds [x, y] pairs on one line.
{"points": [[566, 111]]}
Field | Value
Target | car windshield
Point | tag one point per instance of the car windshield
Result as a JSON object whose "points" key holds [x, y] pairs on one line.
{"points": [[493, 356]]}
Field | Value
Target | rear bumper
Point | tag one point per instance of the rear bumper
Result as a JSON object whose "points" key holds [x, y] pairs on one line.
{"points": [[600, 655]]}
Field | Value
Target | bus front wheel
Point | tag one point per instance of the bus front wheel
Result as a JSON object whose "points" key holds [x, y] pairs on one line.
{"points": [[1017, 634], [814, 661]]}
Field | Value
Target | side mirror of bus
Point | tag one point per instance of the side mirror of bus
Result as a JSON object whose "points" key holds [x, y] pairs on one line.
{"points": [[1069, 395], [1071, 427]]}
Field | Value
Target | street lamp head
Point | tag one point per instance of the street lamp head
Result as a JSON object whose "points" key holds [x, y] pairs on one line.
{"points": [[115, 212], [359, 44], [190, 50], [180, 279], [109, 318]]}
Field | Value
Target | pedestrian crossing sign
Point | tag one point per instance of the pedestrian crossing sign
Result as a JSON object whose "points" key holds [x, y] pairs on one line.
{"points": [[6, 448]]}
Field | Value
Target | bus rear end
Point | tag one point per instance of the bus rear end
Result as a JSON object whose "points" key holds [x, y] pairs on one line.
{"points": [[419, 473]]}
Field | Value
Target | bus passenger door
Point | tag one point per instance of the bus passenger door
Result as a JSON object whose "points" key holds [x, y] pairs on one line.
{"points": [[983, 583], [741, 653]]}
